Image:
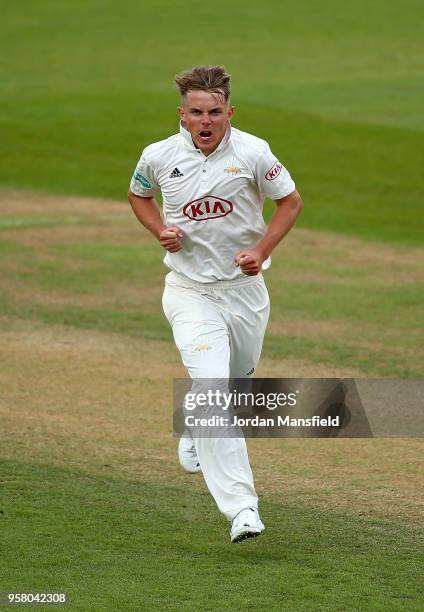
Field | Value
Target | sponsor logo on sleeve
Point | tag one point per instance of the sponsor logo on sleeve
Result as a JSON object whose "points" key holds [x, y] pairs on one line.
{"points": [[140, 178], [208, 207], [274, 171]]}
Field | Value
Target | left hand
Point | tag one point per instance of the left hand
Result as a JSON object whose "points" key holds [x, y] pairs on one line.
{"points": [[250, 262]]}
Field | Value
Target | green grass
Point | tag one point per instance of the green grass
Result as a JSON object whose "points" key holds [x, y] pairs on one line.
{"points": [[337, 92], [112, 543], [351, 296]]}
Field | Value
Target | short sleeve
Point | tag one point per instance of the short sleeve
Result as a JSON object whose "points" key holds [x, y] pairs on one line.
{"points": [[272, 178], [143, 182]]}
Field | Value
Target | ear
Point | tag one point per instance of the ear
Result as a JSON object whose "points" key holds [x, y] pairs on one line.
{"points": [[230, 112], [181, 113]]}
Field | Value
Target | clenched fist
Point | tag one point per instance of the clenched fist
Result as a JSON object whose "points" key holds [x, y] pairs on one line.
{"points": [[250, 262], [171, 239]]}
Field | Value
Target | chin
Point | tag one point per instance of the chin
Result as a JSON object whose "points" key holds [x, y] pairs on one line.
{"points": [[206, 147]]}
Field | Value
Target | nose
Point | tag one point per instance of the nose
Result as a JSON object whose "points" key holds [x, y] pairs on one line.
{"points": [[206, 120]]}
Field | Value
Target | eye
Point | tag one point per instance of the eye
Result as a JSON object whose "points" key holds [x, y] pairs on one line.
{"points": [[216, 111], [195, 112]]}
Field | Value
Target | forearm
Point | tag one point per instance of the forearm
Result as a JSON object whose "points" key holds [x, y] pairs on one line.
{"points": [[281, 222], [148, 213]]}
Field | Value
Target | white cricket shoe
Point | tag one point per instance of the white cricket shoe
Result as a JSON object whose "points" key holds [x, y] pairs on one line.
{"points": [[187, 454], [246, 524]]}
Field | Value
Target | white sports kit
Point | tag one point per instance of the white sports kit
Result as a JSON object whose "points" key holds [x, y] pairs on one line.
{"points": [[218, 315]]}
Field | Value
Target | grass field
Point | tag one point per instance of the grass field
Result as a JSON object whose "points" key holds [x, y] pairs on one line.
{"points": [[92, 500], [92, 496], [337, 91]]}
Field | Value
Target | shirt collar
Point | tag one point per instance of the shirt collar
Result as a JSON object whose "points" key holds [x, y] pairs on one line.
{"points": [[186, 136]]}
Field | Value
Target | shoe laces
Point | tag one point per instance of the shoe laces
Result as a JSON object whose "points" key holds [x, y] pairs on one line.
{"points": [[244, 516], [192, 450]]}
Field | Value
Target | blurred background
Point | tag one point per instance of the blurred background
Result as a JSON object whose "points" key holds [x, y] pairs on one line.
{"points": [[336, 89]]}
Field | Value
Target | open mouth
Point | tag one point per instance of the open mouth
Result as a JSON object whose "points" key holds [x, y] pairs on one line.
{"points": [[205, 134]]}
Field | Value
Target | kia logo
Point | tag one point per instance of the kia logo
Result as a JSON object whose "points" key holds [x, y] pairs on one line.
{"points": [[208, 207], [274, 171]]}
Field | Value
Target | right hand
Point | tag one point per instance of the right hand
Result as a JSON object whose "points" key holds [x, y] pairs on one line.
{"points": [[171, 239]]}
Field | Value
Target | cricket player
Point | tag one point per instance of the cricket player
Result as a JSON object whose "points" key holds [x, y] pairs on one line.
{"points": [[213, 179]]}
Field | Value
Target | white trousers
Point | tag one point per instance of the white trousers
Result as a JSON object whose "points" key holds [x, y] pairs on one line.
{"points": [[219, 330]]}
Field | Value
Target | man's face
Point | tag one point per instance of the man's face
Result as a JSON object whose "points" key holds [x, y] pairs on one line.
{"points": [[206, 116]]}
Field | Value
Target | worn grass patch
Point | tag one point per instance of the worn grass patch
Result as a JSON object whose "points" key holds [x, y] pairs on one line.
{"points": [[336, 302], [86, 350], [98, 401]]}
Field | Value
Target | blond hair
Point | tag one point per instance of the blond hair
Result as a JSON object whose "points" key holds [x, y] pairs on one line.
{"points": [[206, 78]]}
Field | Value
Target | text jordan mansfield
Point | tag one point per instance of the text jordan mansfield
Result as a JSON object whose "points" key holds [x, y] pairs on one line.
{"points": [[256, 421]]}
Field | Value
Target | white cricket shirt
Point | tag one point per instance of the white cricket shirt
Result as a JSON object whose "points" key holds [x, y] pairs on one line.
{"points": [[216, 200]]}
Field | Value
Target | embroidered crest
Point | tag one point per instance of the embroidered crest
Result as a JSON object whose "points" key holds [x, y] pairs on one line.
{"points": [[232, 170]]}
